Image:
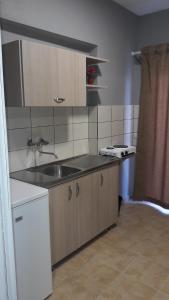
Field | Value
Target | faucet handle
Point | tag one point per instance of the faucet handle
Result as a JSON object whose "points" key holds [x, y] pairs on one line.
{"points": [[37, 142], [30, 143], [43, 142]]}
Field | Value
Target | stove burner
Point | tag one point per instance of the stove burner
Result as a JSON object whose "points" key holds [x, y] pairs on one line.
{"points": [[120, 146]]}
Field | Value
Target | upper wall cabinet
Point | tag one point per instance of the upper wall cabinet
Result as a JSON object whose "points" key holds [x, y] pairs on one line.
{"points": [[37, 74]]}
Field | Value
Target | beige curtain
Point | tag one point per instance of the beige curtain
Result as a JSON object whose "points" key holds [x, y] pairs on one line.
{"points": [[152, 159]]}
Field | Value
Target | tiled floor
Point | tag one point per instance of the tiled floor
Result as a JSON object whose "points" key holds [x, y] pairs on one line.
{"points": [[130, 262]]}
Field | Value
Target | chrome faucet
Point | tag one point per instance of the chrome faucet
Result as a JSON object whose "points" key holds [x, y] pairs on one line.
{"points": [[38, 146], [46, 152]]}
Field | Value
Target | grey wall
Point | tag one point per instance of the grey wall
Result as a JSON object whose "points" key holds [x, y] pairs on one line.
{"points": [[153, 29], [100, 22]]}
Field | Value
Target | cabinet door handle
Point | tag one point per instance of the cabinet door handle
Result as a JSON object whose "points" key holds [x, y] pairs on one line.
{"points": [[101, 179], [18, 219], [77, 189], [59, 100], [70, 193]]}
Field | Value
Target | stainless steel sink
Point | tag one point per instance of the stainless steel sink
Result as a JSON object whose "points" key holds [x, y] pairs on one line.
{"points": [[57, 171]]}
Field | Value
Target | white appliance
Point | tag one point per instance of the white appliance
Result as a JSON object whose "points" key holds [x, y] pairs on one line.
{"points": [[119, 151], [30, 210]]}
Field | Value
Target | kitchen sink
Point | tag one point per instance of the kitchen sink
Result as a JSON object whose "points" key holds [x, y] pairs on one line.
{"points": [[57, 171]]}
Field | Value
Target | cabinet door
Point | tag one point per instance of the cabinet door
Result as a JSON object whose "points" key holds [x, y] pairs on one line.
{"points": [[106, 187], [52, 76], [86, 209], [115, 175], [63, 221], [40, 74], [32, 250], [71, 78]]}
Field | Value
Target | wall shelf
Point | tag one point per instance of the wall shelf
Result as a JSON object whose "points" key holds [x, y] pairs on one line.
{"points": [[95, 87], [91, 60]]}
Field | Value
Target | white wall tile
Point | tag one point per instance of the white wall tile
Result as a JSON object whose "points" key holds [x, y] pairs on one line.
{"points": [[117, 112], [104, 113], [136, 111], [47, 133], [22, 159], [104, 143], [80, 131], [104, 129], [135, 125], [63, 115], [80, 115], [70, 135], [134, 139], [93, 130], [93, 114], [18, 138], [93, 146], [41, 116], [63, 133], [18, 117], [128, 112], [41, 158], [81, 147], [64, 150], [117, 128], [128, 126], [128, 139], [118, 140]]}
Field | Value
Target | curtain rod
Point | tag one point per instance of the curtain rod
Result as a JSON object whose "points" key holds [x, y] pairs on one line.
{"points": [[133, 53]]}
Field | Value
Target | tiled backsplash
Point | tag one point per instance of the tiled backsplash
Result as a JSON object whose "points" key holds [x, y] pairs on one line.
{"points": [[109, 125], [69, 131], [66, 130]]}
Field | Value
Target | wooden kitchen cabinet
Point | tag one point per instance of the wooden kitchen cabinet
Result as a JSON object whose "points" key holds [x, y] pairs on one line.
{"points": [[86, 210], [63, 219], [106, 190], [81, 209], [37, 74]]}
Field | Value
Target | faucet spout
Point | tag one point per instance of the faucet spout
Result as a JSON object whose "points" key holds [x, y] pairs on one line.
{"points": [[48, 153]]}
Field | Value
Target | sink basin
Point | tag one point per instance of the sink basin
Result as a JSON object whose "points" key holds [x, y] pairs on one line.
{"points": [[57, 171]]}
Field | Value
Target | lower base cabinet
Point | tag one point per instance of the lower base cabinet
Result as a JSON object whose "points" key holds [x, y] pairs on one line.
{"points": [[81, 209], [32, 249], [86, 210], [63, 216], [106, 183]]}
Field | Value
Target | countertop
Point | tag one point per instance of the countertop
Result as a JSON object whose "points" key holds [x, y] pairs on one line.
{"points": [[86, 164], [22, 192]]}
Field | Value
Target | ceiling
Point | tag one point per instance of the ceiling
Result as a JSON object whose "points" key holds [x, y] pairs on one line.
{"points": [[143, 7]]}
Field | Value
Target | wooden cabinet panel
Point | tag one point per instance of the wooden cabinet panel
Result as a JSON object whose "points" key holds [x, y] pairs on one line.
{"points": [[82, 209], [86, 209], [106, 184], [114, 173], [80, 80], [38, 74], [63, 214], [71, 78]]}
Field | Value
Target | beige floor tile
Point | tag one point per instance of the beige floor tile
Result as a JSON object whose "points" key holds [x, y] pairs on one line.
{"points": [[130, 262], [155, 275], [161, 296], [126, 289], [165, 287]]}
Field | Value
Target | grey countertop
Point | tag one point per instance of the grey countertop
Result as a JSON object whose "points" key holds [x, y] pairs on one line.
{"points": [[86, 164]]}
